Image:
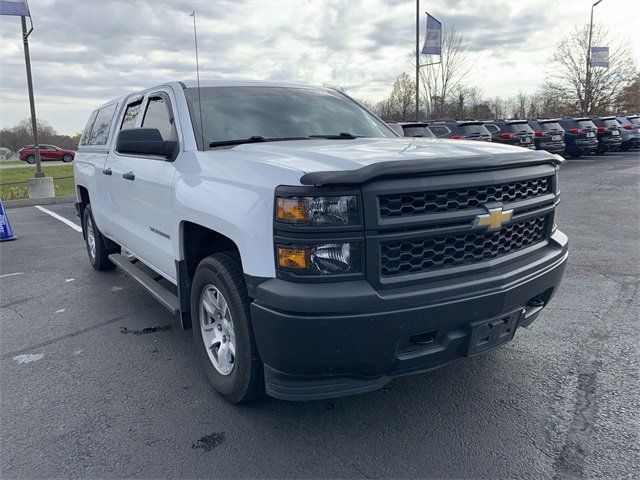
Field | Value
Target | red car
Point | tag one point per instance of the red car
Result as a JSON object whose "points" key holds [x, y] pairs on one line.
{"points": [[47, 152]]}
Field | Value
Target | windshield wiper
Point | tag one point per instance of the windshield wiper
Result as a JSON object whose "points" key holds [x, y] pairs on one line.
{"points": [[340, 136], [253, 139]]}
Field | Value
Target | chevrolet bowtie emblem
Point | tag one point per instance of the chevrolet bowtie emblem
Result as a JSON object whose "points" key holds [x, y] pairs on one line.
{"points": [[494, 219]]}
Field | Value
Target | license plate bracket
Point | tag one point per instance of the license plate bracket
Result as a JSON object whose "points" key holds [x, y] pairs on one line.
{"points": [[489, 334]]}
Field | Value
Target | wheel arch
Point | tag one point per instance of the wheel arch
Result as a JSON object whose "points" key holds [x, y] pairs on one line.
{"points": [[196, 243]]}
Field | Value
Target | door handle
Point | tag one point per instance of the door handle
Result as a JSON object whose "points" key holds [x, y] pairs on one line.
{"points": [[128, 176], [107, 171]]}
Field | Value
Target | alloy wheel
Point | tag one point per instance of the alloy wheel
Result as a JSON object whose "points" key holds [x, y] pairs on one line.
{"points": [[216, 326]]}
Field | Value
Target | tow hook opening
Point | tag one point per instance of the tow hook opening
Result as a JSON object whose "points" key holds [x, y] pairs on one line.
{"points": [[534, 306], [424, 339]]}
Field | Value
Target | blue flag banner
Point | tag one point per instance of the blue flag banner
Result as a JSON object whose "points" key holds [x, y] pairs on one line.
{"points": [[433, 40], [600, 57], [14, 7]]}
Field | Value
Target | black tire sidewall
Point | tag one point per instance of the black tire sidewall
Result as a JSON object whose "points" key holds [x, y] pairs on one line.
{"points": [[101, 260], [214, 270], [65, 157], [31, 160]]}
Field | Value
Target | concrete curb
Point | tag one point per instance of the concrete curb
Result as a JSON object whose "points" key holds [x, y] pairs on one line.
{"points": [[29, 202]]}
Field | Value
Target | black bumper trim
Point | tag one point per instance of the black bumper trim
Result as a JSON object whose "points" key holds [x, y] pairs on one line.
{"points": [[317, 355]]}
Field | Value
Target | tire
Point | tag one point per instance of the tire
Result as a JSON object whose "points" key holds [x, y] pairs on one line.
{"points": [[31, 159], [574, 153], [219, 281], [67, 158], [600, 151], [95, 242]]}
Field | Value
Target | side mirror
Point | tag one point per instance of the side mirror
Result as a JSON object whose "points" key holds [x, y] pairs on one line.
{"points": [[146, 141]]}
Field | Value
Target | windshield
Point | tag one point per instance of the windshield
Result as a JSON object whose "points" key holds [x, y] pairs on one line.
{"points": [[233, 113], [521, 128], [417, 132], [474, 129]]}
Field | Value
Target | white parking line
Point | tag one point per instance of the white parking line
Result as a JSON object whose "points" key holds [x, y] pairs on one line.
{"points": [[59, 217], [11, 274]]}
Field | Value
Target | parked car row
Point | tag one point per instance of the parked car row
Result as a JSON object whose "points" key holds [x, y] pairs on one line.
{"points": [[571, 136]]}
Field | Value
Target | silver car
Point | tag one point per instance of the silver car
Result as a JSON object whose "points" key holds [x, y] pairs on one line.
{"points": [[629, 131]]}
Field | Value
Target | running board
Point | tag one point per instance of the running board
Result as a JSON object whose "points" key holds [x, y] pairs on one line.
{"points": [[160, 293]]}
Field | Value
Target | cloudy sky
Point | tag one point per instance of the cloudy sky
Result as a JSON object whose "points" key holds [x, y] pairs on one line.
{"points": [[85, 52]]}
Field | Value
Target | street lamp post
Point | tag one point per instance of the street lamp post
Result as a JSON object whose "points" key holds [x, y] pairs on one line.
{"points": [[587, 82], [417, 60]]}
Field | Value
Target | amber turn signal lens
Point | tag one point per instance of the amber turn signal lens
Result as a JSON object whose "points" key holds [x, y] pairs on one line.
{"points": [[295, 258], [292, 210]]}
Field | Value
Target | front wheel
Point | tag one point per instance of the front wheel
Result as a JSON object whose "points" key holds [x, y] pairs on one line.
{"points": [[222, 329], [96, 243], [67, 158]]}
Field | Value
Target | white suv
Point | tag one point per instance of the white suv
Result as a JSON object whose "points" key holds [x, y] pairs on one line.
{"points": [[315, 252]]}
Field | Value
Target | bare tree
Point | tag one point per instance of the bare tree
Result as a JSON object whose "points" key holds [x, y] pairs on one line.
{"points": [[441, 82], [568, 71], [628, 100], [19, 135], [402, 97]]}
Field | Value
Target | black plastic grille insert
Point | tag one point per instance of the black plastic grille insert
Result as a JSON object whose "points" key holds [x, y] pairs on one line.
{"points": [[402, 257], [419, 203]]}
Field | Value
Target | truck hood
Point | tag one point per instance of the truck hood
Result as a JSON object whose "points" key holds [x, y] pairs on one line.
{"points": [[327, 162]]}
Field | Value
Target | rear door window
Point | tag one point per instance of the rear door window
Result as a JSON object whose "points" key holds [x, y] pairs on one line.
{"points": [[131, 115], [158, 115], [635, 120], [102, 125], [87, 128]]}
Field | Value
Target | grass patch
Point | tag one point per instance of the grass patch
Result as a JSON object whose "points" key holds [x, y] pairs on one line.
{"points": [[13, 181], [11, 162]]}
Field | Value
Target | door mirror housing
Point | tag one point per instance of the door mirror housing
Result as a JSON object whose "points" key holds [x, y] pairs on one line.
{"points": [[146, 141]]}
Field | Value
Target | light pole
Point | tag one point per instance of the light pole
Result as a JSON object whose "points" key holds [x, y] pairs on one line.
{"points": [[418, 59], [587, 81]]}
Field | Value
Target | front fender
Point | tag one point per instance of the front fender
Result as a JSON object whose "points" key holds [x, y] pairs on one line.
{"points": [[237, 202]]}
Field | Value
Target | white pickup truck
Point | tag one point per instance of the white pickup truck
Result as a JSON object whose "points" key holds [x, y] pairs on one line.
{"points": [[314, 252]]}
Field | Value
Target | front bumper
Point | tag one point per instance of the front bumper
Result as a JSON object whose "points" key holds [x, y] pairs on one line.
{"points": [[334, 339]]}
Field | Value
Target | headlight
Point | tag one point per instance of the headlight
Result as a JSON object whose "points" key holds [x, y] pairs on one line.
{"points": [[321, 258], [318, 211]]}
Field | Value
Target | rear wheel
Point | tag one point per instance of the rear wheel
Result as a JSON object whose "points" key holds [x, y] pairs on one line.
{"points": [[96, 243], [67, 158], [575, 153], [31, 159], [222, 328]]}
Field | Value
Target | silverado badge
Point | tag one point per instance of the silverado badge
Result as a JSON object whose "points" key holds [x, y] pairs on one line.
{"points": [[494, 219]]}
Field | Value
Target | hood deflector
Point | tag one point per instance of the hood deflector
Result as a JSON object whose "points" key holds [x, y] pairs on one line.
{"points": [[439, 166]]}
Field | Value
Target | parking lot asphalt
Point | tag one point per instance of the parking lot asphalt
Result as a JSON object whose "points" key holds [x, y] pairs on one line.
{"points": [[85, 393]]}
